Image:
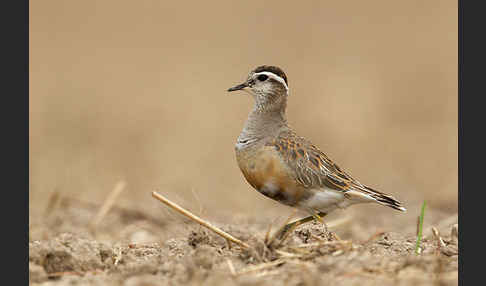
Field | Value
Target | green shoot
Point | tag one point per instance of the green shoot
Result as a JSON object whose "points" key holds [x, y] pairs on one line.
{"points": [[419, 229]]}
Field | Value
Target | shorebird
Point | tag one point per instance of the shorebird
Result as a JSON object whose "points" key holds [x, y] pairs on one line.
{"points": [[286, 167]]}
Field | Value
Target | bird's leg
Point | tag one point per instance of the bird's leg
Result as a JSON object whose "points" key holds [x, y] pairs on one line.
{"points": [[318, 217], [285, 229]]}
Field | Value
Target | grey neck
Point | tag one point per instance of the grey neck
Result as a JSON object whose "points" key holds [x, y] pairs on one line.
{"points": [[263, 123]]}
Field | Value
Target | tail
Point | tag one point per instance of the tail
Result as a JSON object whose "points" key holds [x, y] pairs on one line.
{"points": [[385, 199], [367, 194]]}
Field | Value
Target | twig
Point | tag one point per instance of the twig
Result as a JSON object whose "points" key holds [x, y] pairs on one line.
{"points": [[231, 267], [52, 202], [373, 237], [269, 229], [200, 221], [110, 200], [455, 233], [261, 266], [267, 235], [287, 254], [436, 234], [441, 244], [319, 244]]}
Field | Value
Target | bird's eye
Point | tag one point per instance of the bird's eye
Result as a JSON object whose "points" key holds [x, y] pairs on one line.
{"points": [[262, 77]]}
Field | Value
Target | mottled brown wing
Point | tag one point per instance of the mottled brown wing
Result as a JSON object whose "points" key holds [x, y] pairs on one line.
{"points": [[312, 168]]}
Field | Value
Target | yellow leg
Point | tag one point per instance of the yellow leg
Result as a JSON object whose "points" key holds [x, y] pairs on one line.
{"points": [[318, 217], [284, 230]]}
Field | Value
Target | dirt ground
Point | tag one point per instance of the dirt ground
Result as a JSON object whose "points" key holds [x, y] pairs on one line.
{"points": [[137, 247]]}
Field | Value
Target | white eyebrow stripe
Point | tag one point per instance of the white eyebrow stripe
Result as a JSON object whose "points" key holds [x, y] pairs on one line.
{"points": [[275, 77]]}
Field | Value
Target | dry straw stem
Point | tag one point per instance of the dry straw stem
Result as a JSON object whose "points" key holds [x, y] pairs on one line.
{"points": [[285, 254], [455, 233], [436, 234], [200, 221], [260, 266], [319, 244], [52, 202], [110, 200], [449, 251], [374, 236], [231, 267]]}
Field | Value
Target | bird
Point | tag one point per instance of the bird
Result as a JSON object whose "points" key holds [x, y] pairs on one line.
{"points": [[286, 167]]}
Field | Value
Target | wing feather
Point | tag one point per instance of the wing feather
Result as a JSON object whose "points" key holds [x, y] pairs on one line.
{"points": [[314, 170]]}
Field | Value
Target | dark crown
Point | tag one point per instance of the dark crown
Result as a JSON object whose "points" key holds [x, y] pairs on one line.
{"points": [[273, 69]]}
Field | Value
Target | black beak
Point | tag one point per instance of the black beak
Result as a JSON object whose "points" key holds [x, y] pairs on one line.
{"points": [[238, 87]]}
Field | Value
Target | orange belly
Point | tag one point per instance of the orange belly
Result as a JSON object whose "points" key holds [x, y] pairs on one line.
{"points": [[265, 171]]}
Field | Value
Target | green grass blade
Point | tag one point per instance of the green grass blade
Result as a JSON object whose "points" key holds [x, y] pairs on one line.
{"points": [[420, 226]]}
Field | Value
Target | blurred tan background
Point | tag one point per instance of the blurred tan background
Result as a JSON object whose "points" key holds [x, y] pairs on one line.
{"points": [[136, 91]]}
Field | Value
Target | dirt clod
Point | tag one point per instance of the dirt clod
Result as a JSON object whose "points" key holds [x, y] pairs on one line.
{"points": [[69, 252]]}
